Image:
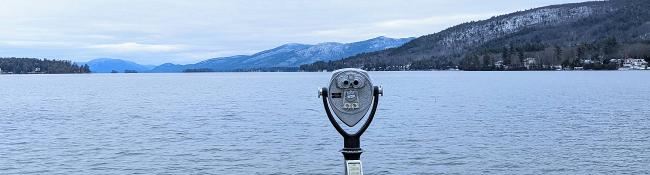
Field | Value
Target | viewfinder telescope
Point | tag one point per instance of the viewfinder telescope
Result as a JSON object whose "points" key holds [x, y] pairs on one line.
{"points": [[351, 95]]}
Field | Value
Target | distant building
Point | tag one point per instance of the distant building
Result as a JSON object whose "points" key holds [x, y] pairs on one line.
{"points": [[634, 64], [616, 61], [530, 63], [557, 67], [498, 64], [35, 71]]}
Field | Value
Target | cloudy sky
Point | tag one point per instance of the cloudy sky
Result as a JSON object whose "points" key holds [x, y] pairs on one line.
{"points": [[187, 31]]}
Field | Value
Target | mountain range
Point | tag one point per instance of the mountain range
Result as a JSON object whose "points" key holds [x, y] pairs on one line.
{"points": [[107, 65], [560, 34], [287, 56]]}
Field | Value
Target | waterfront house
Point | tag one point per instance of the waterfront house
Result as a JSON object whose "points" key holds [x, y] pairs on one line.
{"points": [[530, 63], [557, 67], [616, 61], [498, 64], [634, 64], [36, 71]]}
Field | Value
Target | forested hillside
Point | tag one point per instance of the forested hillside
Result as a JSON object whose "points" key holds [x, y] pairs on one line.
{"points": [[44, 66], [586, 35]]}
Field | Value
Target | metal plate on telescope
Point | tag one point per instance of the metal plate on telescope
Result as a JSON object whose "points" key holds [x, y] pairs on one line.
{"points": [[353, 167], [350, 95]]}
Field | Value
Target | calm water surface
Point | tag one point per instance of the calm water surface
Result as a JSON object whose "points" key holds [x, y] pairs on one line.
{"points": [[273, 123]]}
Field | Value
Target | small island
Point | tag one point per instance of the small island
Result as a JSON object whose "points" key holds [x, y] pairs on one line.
{"points": [[198, 70]]}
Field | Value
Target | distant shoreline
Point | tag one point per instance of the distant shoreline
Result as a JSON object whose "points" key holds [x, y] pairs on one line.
{"points": [[1, 74]]}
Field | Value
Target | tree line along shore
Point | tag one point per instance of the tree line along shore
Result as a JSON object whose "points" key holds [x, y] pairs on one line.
{"points": [[40, 66]]}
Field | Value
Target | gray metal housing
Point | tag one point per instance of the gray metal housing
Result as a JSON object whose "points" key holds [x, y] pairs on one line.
{"points": [[350, 94]]}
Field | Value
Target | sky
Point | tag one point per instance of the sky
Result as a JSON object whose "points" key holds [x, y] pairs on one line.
{"points": [[187, 31]]}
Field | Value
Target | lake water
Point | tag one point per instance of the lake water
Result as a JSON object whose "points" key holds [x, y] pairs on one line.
{"points": [[585, 122]]}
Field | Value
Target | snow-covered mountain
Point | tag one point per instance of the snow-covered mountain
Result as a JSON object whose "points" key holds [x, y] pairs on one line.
{"points": [[461, 38], [289, 55], [563, 26]]}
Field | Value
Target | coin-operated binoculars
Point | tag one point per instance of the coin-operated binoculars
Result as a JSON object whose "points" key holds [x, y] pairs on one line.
{"points": [[351, 95]]}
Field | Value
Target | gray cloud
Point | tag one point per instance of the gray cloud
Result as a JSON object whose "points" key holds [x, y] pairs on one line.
{"points": [[154, 32]]}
